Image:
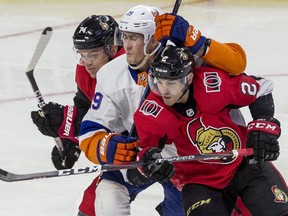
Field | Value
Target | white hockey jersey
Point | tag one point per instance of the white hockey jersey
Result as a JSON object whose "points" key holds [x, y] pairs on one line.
{"points": [[117, 96]]}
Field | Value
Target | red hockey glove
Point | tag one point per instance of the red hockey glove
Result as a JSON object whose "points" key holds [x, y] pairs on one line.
{"points": [[71, 155], [58, 120], [176, 28], [160, 172], [263, 138], [116, 148]]}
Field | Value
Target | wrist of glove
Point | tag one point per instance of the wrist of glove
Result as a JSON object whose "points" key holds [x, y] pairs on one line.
{"points": [[263, 138], [55, 120], [160, 172], [116, 148], [177, 29], [71, 155]]}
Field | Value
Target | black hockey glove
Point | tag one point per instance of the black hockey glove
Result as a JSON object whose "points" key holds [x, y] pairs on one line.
{"points": [[263, 138], [160, 172], [71, 155], [49, 123]]}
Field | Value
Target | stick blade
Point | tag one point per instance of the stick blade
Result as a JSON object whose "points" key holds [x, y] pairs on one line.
{"points": [[47, 30], [42, 43]]}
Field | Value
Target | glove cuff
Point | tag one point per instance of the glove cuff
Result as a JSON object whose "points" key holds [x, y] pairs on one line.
{"points": [[67, 128], [194, 49], [271, 126]]}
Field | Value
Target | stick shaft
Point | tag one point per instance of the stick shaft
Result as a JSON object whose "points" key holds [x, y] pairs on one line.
{"points": [[12, 177], [41, 45]]}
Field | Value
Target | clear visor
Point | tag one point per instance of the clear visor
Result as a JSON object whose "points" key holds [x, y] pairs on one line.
{"points": [[90, 55], [166, 87], [118, 37], [77, 56]]}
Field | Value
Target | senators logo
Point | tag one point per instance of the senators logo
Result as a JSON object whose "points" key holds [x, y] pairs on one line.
{"points": [[150, 108], [280, 196], [209, 139], [212, 81]]}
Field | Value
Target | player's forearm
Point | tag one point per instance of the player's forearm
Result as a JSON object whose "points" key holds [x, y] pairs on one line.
{"points": [[90, 147], [229, 57]]}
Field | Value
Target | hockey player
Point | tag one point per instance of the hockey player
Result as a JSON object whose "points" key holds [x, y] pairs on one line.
{"points": [[120, 86], [191, 108], [94, 44]]}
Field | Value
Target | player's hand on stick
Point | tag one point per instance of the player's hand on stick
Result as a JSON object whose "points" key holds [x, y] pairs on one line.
{"points": [[115, 148], [55, 120], [263, 138], [71, 155], [177, 29], [160, 172]]}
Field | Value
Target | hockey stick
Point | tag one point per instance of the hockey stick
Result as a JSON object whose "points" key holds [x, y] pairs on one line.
{"points": [[176, 6], [11, 177], [42, 43]]}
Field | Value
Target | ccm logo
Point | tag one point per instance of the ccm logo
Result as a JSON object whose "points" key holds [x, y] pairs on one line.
{"points": [[261, 125]]}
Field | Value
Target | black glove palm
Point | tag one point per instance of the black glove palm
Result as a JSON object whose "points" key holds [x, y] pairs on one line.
{"points": [[160, 172], [71, 155], [49, 123], [263, 138]]}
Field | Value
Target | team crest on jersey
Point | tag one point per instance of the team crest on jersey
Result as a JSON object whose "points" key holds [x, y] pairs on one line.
{"points": [[142, 78], [280, 196], [149, 107], [209, 139], [212, 81]]}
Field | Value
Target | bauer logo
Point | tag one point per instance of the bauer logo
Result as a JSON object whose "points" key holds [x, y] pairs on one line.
{"points": [[212, 81], [68, 122], [150, 108]]}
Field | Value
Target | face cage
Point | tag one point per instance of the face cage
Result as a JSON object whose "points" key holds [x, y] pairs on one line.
{"points": [[152, 82]]}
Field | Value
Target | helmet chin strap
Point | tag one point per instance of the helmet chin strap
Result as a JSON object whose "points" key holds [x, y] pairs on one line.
{"points": [[147, 56], [184, 92]]}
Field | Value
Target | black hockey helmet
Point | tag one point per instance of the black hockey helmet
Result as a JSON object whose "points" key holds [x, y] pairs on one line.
{"points": [[172, 63], [95, 31]]}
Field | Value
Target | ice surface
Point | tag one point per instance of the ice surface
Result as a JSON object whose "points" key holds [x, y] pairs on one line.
{"points": [[261, 27]]}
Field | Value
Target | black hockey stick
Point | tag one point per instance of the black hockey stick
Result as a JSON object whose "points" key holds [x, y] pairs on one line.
{"points": [[12, 177], [42, 43], [176, 6]]}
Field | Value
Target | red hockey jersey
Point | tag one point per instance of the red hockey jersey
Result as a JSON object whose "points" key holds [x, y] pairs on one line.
{"points": [[203, 125]]}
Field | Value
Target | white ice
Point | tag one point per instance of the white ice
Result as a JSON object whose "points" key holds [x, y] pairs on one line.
{"points": [[260, 26]]}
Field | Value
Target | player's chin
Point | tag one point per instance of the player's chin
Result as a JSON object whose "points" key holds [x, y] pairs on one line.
{"points": [[168, 101], [92, 72]]}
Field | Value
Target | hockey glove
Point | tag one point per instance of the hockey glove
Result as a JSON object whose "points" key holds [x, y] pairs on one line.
{"points": [[263, 138], [116, 148], [177, 29], [71, 151], [56, 121], [160, 172]]}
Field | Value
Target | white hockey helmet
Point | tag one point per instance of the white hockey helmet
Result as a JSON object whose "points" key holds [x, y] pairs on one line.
{"points": [[140, 19]]}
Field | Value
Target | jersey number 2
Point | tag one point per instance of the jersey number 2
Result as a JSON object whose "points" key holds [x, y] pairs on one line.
{"points": [[249, 89]]}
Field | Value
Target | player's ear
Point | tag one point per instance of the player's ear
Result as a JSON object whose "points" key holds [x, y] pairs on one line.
{"points": [[113, 51], [190, 78]]}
